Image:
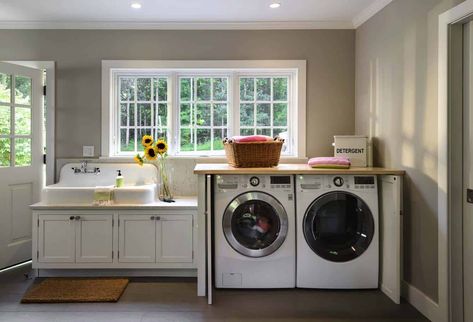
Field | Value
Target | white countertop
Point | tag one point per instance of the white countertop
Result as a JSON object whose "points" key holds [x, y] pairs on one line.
{"points": [[187, 202]]}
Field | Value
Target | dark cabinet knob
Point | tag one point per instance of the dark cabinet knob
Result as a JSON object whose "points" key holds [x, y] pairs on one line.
{"points": [[71, 218]]}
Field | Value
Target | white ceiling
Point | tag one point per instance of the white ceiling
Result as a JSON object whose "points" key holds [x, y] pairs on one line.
{"points": [[231, 13]]}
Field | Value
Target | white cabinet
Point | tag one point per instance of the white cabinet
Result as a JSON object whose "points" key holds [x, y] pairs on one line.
{"points": [[94, 239], [137, 239], [56, 240], [141, 239], [73, 238], [155, 238], [174, 239]]}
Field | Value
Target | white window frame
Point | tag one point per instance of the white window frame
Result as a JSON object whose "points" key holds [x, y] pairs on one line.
{"points": [[234, 68]]}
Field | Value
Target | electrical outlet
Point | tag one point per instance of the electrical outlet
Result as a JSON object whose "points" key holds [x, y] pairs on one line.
{"points": [[88, 151]]}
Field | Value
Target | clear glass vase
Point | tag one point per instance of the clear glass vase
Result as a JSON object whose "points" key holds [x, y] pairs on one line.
{"points": [[165, 188]]}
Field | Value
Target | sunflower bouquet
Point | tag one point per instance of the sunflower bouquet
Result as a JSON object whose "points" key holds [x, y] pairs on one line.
{"points": [[156, 153]]}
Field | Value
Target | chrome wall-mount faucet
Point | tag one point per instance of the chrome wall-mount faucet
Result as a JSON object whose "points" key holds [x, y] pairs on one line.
{"points": [[84, 169]]}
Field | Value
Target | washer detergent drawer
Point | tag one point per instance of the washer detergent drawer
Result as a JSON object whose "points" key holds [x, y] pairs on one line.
{"points": [[231, 280]]}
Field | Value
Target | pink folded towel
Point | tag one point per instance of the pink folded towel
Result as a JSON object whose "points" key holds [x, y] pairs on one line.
{"points": [[330, 162], [252, 138]]}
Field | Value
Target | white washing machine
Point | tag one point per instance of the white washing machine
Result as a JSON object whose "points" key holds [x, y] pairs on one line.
{"points": [[337, 231], [254, 227]]}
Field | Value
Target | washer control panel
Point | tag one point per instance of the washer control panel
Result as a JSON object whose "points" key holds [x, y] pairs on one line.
{"points": [[254, 182]]}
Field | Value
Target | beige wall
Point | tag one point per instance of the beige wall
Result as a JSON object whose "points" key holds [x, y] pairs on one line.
{"points": [[78, 55], [396, 102]]}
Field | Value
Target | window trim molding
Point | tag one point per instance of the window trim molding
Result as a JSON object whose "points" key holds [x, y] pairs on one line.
{"points": [[109, 66]]}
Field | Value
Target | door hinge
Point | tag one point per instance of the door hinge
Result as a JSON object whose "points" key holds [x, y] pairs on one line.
{"points": [[44, 90], [37, 254], [44, 158], [112, 254], [38, 222], [113, 222], [118, 254]]}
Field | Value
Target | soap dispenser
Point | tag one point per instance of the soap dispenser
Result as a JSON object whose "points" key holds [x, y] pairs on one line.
{"points": [[119, 179]]}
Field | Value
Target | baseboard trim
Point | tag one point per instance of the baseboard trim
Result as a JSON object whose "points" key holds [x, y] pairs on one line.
{"points": [[423, 303]]}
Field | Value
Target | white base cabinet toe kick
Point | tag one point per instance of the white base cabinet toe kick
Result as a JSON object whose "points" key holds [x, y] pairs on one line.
{"points": [[106, 240]]}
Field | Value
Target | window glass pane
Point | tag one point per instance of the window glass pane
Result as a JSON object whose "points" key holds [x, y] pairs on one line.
{"points": [[203, 114], [263, 132], [161, 115], [280, 89], [127, 140], [141, 133], [203, 89], [263, 114], [4, 152], [247, 131], [280, 114], [162, 133], [5, 88], [23, 120], [220, 89], [203, 140], [144, 89], [185, 114], [186, 142], [247, 89], [127, 89], [161, 87], [220, 115], [5, 120], [282, 132], [247, 115], [144, 114], [186, 89], [219, 135], [263, 89], [22, 90], [22, 152], [127, 114]]}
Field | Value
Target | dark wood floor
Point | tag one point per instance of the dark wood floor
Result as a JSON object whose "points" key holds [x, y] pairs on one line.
{"points": [[175, 300]]}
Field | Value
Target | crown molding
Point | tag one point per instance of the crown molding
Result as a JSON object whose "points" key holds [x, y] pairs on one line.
{"points": [[369, 12], [86, 25]]}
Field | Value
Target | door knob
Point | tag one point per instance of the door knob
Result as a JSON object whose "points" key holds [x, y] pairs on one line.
{"points": [[152, 217], [77, 218], [469, 195], [158, 218], [71, 218]]}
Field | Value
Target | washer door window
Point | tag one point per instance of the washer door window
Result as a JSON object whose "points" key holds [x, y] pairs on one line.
{"points": [[255, 224], [338, 226]]}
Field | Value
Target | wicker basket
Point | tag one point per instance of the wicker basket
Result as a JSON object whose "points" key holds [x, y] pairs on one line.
{"points": [[253, 154]]}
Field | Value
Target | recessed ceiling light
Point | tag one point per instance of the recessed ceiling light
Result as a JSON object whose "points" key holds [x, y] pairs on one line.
{"points": [[274, 5], [136, 5]]}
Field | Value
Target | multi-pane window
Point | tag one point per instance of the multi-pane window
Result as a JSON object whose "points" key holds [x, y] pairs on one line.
{"points": [[15, 120], [143, 111], [203, 113], [194, 110], [264, 106]]}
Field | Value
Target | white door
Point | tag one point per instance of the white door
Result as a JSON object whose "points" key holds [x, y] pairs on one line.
{"points": [[174, 239], [94, 238], [20, 158], [137, 239], [56, 239]]}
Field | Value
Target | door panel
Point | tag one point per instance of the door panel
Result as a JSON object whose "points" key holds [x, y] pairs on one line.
{"points": [[94, 239], [56, 239], [137, 239], [20, 158], [174, 239]]}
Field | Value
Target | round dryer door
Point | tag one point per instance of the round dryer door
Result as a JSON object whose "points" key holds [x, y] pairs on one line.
{"points": [[338, 226], [255, 224]]}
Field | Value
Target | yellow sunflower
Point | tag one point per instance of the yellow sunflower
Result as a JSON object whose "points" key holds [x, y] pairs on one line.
{"points": [[138, 159], [147, 140], [162, 146], [151, 153]]}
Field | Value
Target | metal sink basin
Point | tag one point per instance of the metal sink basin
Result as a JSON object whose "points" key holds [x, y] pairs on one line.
{"points": [[78, 188]]}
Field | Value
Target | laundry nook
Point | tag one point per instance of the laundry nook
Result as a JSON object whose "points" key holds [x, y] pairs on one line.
{"points": [[236, 160]]}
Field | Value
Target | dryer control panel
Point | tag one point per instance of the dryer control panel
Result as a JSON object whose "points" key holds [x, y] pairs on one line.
{"points": [[334, 182]]}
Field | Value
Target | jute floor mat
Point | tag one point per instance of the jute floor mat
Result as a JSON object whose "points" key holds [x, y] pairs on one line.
{"points": [[76, 290]]}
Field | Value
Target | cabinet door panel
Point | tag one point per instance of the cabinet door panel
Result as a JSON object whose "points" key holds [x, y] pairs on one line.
{"points": [[94, 239], [174, 239], [56, 240], [137, 239]]}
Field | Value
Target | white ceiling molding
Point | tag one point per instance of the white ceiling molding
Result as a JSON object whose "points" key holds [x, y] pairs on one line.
{"points": [[369, 12], [273, 25]]}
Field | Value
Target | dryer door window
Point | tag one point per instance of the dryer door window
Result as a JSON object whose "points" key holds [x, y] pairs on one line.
{"points": [[338, 226], [255, 224]]}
